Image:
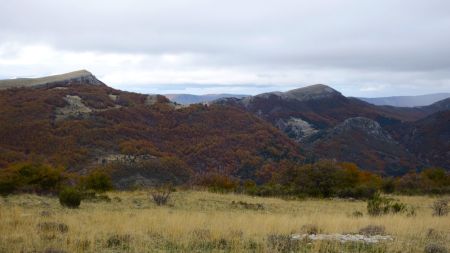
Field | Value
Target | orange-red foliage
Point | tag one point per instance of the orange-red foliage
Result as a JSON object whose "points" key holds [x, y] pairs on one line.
{"points": [[218, 138]]}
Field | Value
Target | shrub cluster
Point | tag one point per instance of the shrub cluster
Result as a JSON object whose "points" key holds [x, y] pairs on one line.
{"points": [[322, 179], [162, 194], [31, 177], [379, 205], [44, 179], [440, 207], [70, 197], [97, 181], [218, 183], [428, 181], [327, 179]]}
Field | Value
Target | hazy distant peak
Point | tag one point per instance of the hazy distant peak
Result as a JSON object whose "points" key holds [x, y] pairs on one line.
{"points": [[186, 99], [311, 92], [408, 101], [81, 76], [316, 89]]}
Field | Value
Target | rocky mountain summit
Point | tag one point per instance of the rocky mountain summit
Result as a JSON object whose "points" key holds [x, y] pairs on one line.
{"points": [[80, 77]]}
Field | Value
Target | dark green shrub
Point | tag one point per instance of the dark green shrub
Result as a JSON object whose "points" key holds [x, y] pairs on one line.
{"points": [[31, 177], [388, 185], [379, 205], [97, 181], [7, 185], [70, 197]]}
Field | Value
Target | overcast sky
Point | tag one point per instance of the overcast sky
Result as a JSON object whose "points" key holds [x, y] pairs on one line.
{"points": [[359, 47]]}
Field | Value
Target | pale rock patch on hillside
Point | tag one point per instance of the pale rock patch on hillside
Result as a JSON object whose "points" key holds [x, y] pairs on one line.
{"points": [[151, 100], [111, 158], [113, 97], [366, 125], [77, 108], [296, 128], [74, 108]]}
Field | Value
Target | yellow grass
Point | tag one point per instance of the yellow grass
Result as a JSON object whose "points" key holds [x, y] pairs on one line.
{"points": [[202, 221]]}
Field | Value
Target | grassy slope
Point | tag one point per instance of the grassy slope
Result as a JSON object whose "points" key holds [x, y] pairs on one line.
{"points": [[202, 221]]}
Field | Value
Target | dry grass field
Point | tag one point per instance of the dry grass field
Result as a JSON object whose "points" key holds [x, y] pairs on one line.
{"points": [[198, 221]]}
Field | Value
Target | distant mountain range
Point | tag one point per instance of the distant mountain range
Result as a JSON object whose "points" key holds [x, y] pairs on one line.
{"points": [[187, 99], [327, 124], [77, 121], [408, 101], [398, 101]]}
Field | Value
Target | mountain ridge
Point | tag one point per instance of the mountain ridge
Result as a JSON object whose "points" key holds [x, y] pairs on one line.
{"points": [[74, 122], [80, 76], [407, 101]]}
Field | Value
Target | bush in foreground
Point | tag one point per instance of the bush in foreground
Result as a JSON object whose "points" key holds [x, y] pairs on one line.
{"points": [[440, 207], [31, 177], [379, 205], [98, 181], [435, 248], [162, 195], [70, 197]]}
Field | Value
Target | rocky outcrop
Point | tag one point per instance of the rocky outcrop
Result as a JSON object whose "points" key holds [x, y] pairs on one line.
{"points": [[364, 142], [77, 108], [368, 126], [296, 128], [74, 108]]}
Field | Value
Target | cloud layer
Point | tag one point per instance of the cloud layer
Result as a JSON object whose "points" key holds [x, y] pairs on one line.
{"points": [[360, 47]]}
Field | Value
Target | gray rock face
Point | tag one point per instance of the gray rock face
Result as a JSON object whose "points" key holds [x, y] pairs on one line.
{"points": [[151, 100], [74, 108], [296, 128], [366, 125]]}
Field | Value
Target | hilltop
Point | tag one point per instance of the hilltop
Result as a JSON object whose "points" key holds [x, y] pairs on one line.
{"points": [[80, 76]]}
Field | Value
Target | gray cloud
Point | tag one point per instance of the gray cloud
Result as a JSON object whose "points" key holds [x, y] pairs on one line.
{"points": [[360, 46]]}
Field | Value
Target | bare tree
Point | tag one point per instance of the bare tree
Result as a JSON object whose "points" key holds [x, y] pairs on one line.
{"points": [[161, 195]]}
